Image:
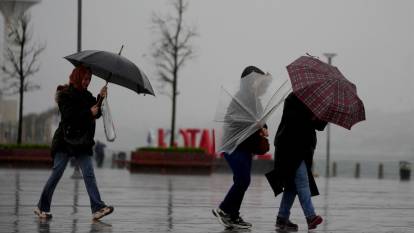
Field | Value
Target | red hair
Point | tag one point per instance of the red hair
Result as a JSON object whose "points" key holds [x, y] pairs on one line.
{"points": [[78, 73]]}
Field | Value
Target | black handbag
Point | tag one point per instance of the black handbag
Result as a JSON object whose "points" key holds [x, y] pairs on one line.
{"points": [[75, 136]]}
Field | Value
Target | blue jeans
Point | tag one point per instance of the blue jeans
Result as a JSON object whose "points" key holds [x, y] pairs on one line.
{"points": [[59, 165], [303, 192], [240, 163]]}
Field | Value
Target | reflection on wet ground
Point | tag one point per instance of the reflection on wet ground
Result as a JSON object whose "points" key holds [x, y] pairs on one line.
{"points": [[167, 203]]}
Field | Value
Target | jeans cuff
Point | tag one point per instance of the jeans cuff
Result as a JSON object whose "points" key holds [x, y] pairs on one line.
{"points": [[281, 215], [94, 209]]}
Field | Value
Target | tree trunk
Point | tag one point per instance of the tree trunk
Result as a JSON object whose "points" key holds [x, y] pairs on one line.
{"points": [[21, 89], [175, 73], [174, 104], [20, 129]]}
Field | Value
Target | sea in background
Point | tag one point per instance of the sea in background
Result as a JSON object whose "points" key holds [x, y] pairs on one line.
{"points": [[369, 164], [368, 168]]}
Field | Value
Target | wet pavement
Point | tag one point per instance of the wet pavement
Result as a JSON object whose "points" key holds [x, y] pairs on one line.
{"points": [[183, 203]]}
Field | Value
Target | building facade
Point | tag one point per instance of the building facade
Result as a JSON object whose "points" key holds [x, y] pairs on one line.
{"points": [[37, 128], [8, 120]]}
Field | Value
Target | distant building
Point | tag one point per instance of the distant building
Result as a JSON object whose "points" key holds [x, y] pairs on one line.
{"points": [[8, 120], [11, 10], [39, 128], [8, 110]]}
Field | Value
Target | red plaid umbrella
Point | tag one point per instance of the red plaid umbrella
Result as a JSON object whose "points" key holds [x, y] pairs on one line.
{"points": [[326, 92]]}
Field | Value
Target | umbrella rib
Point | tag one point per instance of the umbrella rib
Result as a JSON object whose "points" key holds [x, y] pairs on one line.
{"points": [[241, 105], [237, 138], [277, 92], [276, 106]]}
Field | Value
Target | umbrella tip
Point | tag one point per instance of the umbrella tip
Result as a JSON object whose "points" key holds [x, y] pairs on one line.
{"points": [[308, 54], [120, 51]]}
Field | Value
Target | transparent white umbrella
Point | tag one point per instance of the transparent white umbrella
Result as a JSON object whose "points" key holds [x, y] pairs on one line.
{"points": [[108, 123], [246, 108]]}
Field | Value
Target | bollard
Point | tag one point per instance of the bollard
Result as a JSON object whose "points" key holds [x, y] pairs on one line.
{"points": [[334, 169], [357, 170], [121, 159], [405, 170], [113, 163], [380, 171]]}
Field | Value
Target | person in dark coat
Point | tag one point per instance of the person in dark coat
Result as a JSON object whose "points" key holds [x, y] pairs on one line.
{"points": [[295, 142], [99, 150], [240, 162], [74, 137]]}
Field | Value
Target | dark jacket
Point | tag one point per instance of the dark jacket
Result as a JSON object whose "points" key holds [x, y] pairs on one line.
{"points": [[294, 142], [252, 142], [74, 107]]}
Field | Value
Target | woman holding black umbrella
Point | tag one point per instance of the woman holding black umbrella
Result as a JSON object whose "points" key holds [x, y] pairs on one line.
{"points": [[74, 138]]}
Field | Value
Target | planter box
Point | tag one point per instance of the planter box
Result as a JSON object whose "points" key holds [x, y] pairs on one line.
{"points": [[25, 157], [171, 162]]}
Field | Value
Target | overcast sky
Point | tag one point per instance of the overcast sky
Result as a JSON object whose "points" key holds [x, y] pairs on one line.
{"points": [[374, 40]]}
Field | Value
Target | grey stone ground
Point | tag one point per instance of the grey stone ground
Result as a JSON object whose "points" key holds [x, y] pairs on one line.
{"points": [[166, 203]]}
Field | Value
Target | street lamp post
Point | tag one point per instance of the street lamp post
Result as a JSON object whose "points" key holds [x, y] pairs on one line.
{"points": [[79, 25], [76, 173], [329, 56]]}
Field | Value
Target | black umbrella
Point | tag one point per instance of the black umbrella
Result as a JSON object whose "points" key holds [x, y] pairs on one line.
{"points": [[113, 68]]}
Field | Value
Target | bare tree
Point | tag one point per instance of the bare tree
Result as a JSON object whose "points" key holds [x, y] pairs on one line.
{"points": [[172, 50], [20, 62]]}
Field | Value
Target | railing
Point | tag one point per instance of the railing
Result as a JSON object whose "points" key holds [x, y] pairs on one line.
{"points": [[366, 169]]}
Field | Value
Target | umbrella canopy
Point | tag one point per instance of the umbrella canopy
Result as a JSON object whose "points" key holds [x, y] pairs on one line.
{"points": [[245, 110], [326, 92], [113, 68]]}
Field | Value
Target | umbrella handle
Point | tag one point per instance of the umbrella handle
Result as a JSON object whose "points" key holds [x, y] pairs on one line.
{"points": [[100, 99]]}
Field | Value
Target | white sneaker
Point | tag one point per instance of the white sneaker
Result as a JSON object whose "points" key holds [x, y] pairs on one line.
{"points": [[223, 218]]}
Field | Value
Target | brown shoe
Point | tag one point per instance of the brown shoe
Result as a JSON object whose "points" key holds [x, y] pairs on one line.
{"points": [[102, 212], [42, 214], [314, 221]]}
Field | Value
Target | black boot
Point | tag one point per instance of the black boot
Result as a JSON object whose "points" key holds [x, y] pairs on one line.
{"points": [[286, 224]]}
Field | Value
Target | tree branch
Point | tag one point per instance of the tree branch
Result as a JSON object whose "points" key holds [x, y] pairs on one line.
{"points": [[184, 57], [18, 38]]}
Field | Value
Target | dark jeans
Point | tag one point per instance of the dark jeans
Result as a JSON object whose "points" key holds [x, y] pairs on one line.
{"points": [[240, 163], [59, 165]]}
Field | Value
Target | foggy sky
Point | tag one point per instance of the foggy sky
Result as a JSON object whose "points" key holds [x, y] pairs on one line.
{"points": [[373, 39]]}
